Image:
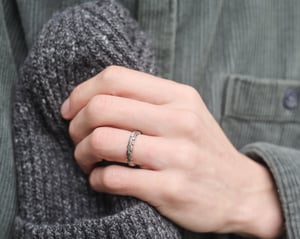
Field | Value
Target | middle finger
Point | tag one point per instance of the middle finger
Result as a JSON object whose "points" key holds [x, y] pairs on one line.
{"points": [[123, 113]]}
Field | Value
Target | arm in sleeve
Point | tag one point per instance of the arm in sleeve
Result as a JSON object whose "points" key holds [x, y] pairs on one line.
{"points": [[284, 164]]}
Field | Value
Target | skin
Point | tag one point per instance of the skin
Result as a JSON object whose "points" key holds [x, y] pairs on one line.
{"points": [[188, 169]]}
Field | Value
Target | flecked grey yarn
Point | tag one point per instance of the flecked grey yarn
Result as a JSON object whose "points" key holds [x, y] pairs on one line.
{"points": [[54, 197]]}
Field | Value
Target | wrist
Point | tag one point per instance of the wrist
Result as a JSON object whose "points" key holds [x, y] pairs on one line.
{"points": [[258, 212]]}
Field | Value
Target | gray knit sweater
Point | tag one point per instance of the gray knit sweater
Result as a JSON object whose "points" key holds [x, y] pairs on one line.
{"points": [[54, 197]]}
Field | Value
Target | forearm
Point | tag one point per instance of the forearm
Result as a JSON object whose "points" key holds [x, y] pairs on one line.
{"points": [[284, 165], [258, 212]]}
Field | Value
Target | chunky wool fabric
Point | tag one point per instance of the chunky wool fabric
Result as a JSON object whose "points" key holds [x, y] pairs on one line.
{"points": [[54, 197]]}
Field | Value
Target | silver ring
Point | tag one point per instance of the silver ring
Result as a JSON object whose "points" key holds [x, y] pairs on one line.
{"points": [[131, 141]]}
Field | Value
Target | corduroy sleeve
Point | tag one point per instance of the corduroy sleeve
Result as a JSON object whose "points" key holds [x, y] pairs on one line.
{"points": [[12, 51], [7, 180], [284, 164]]}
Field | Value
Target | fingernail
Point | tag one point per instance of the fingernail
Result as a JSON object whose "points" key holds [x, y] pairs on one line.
{"points": [[65, 108]]}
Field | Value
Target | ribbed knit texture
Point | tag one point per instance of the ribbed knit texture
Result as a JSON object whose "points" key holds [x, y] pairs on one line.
{"points": [[55, 200]]}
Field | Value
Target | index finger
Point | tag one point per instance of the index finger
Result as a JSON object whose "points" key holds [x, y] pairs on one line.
{"points": [[122, 82]]}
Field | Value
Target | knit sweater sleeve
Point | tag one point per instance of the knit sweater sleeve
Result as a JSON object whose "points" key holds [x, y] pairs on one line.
{"points": [[54, 197], [284, 164]]}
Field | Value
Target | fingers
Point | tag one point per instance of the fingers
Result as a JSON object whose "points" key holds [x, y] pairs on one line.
{"points": [[121, 113], [111, 144], [123, 82], [140, 183]]}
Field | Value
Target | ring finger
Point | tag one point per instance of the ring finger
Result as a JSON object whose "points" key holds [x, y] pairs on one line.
{"points": [[110, 144]]}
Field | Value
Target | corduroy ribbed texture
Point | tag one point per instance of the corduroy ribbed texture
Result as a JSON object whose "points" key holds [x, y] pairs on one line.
{"points": [[55, 200], [12, 53], [159, 18], [286, 178]]}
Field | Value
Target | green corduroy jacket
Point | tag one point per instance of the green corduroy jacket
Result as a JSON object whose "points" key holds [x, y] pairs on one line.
{"points": [[242, 56]]}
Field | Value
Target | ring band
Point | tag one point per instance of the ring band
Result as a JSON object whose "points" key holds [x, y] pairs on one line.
{"points": [[131, 141]]}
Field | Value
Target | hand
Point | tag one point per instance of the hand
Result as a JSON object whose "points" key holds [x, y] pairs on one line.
{"points": [[188, 169]]}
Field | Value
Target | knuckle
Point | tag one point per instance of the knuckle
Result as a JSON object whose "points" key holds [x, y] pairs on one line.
{"points": [[84, 163], [191, 91], [94, 179], [109, 72], [186, 156], [77, 155], [172, 193], [111, 180], [99, 103], [182, 152], [190, 124], [91, 108], [76, 95], [97, 140], [107, 178], [193, 96], [72, 131], [193, 121]]}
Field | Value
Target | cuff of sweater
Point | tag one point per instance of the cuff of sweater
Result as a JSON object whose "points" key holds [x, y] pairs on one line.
{"points": [[139, 221], [284, 165]]}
